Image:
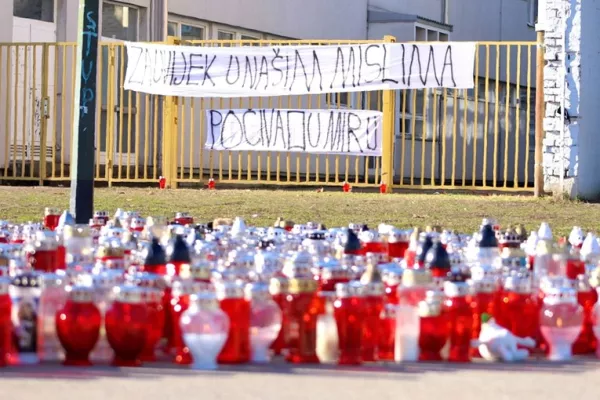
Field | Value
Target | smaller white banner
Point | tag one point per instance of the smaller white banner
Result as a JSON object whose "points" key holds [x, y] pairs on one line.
{"points": [[349, 132]]}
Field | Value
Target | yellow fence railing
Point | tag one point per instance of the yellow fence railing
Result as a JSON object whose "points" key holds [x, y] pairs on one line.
{"points": [[444, 138]]}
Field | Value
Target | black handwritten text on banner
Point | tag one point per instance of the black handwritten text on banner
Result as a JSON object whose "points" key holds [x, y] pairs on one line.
{"points": [[195, 71], [350, 132]]}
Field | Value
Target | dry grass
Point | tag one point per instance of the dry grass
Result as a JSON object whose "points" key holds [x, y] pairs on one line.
{"points": [[461, 212]]}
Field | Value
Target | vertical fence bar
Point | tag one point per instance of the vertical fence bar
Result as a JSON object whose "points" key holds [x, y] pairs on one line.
{"points": [[539, 117]]}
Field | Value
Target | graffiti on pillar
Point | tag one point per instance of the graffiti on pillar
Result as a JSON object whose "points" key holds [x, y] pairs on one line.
{"points": [[88, 63]]}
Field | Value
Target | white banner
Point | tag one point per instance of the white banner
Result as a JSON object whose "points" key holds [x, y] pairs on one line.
{"points": [[349, 132], [246, 71]]}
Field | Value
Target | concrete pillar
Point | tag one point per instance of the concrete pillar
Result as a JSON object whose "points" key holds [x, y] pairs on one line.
{"points": [[572, 54], [6, 21]]}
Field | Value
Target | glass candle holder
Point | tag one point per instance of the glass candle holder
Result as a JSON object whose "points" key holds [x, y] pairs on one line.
{"points": [[519, 310], [78, 325], [349, 315], [237, 349], [327, 347], [25, 294], [205, 329], [373, 292], [6, 326], [413, 290], [126, 326], [156, 322], [52, 299], [265, 321], [561, 320], [397, 243]]}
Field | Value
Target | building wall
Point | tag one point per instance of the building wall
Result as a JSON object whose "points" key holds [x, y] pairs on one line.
{"points": [[430, 9], [572, 54]]}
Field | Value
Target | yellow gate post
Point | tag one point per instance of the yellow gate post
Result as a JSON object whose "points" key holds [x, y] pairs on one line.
{"points": [[387, 151], [169, 158], [538, 171], [45, 114]]}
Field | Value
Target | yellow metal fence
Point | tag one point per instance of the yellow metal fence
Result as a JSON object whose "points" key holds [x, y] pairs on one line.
{"points": [[442, 138]]}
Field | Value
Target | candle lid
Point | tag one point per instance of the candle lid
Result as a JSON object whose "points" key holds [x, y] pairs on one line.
{"points": [[278, 285], [229, 290], [416, 277], [560, 295], [349, 289], [77, 231], [372, 281], [331, 268], [510, 238], [299, 265], [108, 279], [178, 251], [201, 269], [182, 214], [518, 283], [148, 280], [488, 284], [432, 305], [205, 300], [352, 243], [487, 237], [582, 284], [423, 247], [398, 236], [391, 274], [110, 249], [80, 294], [302, 285], [52, 280], [128, 294], [437, 257], [545, 233], [51, 211], [590, 248], [27, 280], [456, 284], [155, 254], [257, 291]]}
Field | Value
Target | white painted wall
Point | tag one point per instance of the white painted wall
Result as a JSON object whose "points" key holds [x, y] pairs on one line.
{"points": [[402, 31], [588, 66], [430, 9], [307, 19]]}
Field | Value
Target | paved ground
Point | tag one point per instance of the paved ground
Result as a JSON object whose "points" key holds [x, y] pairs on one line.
{"points": [[531, 381]]}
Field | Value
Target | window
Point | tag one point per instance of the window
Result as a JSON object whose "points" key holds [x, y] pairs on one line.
{"points": [[185, 31], [533, 12], [41, 10], [224, 35], [119, 22], [417, 101]]}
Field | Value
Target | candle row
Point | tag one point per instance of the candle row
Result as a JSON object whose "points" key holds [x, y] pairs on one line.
{"points": [[128, 289]]}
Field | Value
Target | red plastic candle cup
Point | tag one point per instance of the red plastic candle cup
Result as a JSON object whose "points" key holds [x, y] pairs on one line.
{"points": [[387, 333], [587, 297], [397, 244], [156, 322], [42, 253], [300, 313], [162, 182], [279, 290], [234, 303], [460, 319], [6, 325], [127, 326], [180, 302], [519, 308], [51, 217], [78, 326], [433, 333], [373, 303], [349, 316]]}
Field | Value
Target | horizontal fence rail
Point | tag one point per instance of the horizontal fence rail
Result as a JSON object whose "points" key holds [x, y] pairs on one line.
{"points": [[442, 138]]}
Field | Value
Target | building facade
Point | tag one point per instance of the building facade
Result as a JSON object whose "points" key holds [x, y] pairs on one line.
{"points": [[488, 124]]}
